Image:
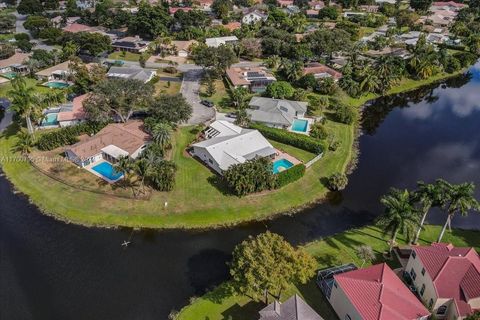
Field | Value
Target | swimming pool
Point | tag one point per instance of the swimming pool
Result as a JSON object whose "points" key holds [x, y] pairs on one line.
{"points": [[56, 84], [105, 169], [300, 125], [9, 75], [281, 165], [50, 119]]}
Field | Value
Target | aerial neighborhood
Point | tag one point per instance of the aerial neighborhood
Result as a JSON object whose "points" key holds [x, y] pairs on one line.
{"points": [[210, 113]]}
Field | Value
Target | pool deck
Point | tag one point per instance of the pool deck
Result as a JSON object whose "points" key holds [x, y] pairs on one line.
{"points": [[91, 165], [283, 155]]}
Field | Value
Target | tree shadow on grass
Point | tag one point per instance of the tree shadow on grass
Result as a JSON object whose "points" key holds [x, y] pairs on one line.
{"points": [[328, 260], [248, 311], [219, 184]]}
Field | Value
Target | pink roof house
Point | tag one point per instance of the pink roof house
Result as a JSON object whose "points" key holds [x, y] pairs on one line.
{"points": [[72, 113], [374, 293], [447, 278]]}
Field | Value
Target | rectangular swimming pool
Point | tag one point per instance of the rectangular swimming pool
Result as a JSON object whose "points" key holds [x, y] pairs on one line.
{"points": [[281, 165], [50, 119], [56, 84], [300, 125], [106, 169]]}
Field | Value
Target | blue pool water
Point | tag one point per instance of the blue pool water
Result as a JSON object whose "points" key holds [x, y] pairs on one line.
{"points": [[50, 119], [280, 165], [300, 125], [57, 85], [106, 169]]}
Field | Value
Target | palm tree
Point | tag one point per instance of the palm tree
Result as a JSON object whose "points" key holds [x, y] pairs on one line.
{"points": [[162, 134], [124, 165], [272, 62], [400, 215], [291, 69], [460, 198], [25, 143], [370, 81], [427, 195], [239, 97], [142, 168], [24, 101]]}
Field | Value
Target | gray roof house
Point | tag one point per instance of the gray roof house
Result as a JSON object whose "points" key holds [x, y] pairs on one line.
{"points": [[228, 144], [134, 73], [292, 309], [275, 112]]}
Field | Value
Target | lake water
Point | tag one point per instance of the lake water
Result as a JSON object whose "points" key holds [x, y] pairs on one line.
{"points": [[51, 270]]}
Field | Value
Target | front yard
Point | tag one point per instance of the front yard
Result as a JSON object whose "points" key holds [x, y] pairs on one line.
{"points": [[339, 249], [197, 201]]}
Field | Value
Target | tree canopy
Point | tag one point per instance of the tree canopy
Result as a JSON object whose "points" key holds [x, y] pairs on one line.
{"points": [[170, 108], [117, 98], [267, 264]]}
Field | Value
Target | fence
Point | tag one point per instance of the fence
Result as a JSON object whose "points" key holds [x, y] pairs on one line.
{"points": [[311, 162]]}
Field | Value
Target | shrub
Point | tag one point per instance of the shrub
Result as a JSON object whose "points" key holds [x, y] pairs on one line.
{"points": [[280, 90], [319, 131], [155, 79], [293, 139], [67, 135], [337, 181], [251, 176], [171, 70], [290, 175], [345, 114]]}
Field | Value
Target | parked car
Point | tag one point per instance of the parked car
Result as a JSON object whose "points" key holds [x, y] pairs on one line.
{"points": [[232, 115], [207, 103]]}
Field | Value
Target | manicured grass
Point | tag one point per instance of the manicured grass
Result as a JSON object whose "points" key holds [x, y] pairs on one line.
{"points": [[300, 154], [404, 86], [220, 97], [197, 200], [165, 87], [219, 304], [4, 88], [127, 56]]}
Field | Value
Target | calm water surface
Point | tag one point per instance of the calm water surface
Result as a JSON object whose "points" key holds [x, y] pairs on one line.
{"points": [[51, 270]]}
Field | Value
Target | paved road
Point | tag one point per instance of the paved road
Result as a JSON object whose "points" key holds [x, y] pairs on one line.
{"points": [[190, 90], [19, 28]]}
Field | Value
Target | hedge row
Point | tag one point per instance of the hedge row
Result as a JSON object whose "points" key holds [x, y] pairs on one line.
{"points": [[297, 140], [288, 176], [67, 135]]}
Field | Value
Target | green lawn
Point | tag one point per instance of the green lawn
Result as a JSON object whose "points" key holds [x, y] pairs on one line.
{"points": [[197, 200], [123, 55], [5, 87], [219, 304], [300, 154], [220, 97]]}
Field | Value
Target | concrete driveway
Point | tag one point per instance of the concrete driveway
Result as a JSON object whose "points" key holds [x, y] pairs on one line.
{"points": [[190, 90]]}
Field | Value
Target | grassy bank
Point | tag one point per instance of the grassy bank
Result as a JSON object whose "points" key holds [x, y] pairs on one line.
{"points": [[405, 85], [197, 201], [219, 304]]}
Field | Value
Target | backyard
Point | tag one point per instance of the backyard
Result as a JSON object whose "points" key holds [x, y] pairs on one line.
{"points": [[211, 205], [220, 304]]}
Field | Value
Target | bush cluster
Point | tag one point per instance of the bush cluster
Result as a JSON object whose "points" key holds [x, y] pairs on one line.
{"points": [[294, 139], [290, 175], [67, 135]]}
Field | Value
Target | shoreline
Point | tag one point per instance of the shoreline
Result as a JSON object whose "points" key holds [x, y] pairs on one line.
{"points": [[347, 167]]}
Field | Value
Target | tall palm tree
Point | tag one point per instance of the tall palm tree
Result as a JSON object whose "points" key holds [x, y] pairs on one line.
{"points": [[124, 165], [24, 101], [142, 168], [239, 97], [460, 198], [162, 134], [370, 81], [427, 195], [400, 215], [25, 142]]}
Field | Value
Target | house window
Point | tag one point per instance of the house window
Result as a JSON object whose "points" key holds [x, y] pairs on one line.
{"points": [[442, 310], [422, 290], [347, 317], [414, 254], [430, 304], [423, 271], [413, 274], [210, 160]]}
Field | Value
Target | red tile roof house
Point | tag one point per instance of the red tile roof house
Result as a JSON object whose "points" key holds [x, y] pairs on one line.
{"points": [[321, 71], [254, 78], [374, 293], [172, 10], [447, 279], [448, 5], [113, 141], [72, 114]]}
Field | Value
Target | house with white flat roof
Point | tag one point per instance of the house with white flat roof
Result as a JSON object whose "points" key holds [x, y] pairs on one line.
{"points": [[217, 42], [227, 144]]}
